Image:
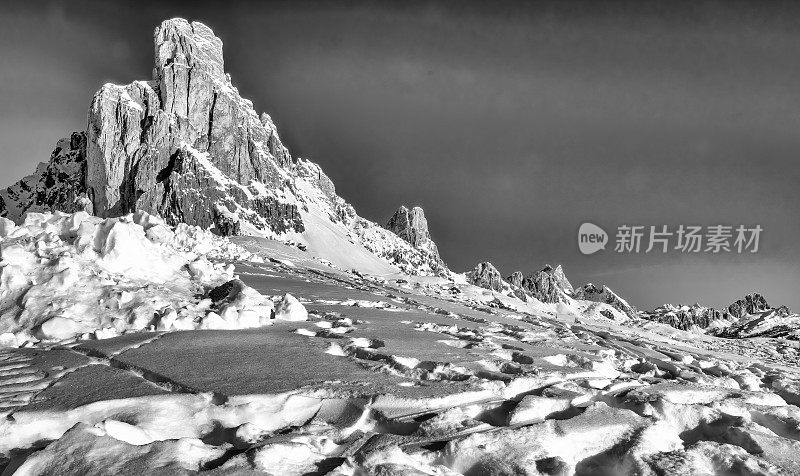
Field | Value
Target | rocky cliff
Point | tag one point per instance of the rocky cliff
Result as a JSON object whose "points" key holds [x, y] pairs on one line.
{"points": [[411, 226], [751, 316], [486, 276], [546, 285], [686, 317], [185, 145], [57, 184]]}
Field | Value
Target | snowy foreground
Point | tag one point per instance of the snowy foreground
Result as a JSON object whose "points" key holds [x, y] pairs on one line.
{"points": [[125, 352]]}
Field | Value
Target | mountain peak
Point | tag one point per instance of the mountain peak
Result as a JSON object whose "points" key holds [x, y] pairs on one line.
{"points": [[184, 44], [591, 292], [185, 52], [485, 275], [188, 147], [410, 225]]}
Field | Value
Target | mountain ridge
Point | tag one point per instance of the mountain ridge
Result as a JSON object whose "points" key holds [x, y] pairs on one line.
{"points": [[185, 145]]}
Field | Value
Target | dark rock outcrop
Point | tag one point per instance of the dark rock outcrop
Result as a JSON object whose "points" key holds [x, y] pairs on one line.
{"points": [[750, 304], [226, 291], [56, 185], [486, 276]]}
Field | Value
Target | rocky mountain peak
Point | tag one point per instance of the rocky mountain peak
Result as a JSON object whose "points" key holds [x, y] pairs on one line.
{"points": [[486, 276], [545, 285], [561, 279], [180, 44], [515, 279], [702, 317], [750, 304], [185, 145], [188, 66], [591, 292], [410, 225]]}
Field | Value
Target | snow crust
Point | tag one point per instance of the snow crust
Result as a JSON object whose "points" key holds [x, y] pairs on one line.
{"points": [[69, 275]]}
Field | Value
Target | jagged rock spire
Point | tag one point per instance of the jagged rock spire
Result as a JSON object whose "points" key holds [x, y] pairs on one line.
{"points": [[410, 225], [186, 51], [549, 285], [186, 145], [545, 286], [486, 276]]}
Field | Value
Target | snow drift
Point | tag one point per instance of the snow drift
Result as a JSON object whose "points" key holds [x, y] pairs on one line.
{"points": [[66, 275]]}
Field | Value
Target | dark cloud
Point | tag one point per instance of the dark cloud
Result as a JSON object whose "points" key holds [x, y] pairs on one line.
{"points": [[511, 123]]}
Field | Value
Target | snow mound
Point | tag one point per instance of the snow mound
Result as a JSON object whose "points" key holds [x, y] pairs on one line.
{"points": [[290, 309], [67, 275]]}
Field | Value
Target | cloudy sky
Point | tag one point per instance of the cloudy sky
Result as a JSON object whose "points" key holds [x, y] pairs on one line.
{"points": [[510, 123]]}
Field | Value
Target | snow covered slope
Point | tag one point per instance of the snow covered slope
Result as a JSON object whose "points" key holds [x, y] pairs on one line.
{"points": [[396, 377], [186, 146]]}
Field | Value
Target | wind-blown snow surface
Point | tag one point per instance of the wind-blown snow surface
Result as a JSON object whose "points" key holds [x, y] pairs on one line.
{"points": [[367, 376], [67, 275]]}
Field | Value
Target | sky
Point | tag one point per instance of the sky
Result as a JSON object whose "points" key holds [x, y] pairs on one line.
{"points": [[510, 123]]}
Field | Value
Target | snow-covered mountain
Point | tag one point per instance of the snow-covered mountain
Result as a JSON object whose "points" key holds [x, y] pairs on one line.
{"points": [[751, 316], [686, 317], [603, 294], [143, 342], [550, 287], [186, 146]]}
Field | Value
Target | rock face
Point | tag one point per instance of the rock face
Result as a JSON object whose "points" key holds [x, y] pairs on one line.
{"points": [[590, 292], [686, 317], [561, 279], [186, 146], [515, 279], [750, 304], [412, 227], [750, 316], [56, 185], [486, 276], [546, 285]]}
